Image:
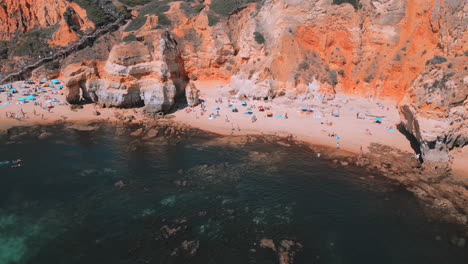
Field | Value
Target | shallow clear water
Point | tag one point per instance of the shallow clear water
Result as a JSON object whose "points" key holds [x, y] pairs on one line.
{"points": [[201, 201]]}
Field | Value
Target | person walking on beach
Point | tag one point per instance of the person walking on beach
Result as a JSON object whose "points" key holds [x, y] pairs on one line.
{"points": [[285, 115], [337, 145]]}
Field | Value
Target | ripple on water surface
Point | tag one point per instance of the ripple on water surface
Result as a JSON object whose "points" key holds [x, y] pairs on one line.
{"points": [[97, 196]]}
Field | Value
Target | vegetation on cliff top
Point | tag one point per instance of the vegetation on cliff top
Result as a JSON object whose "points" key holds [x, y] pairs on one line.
{"points": [[155, 8], [130, 38], [136, 24], [34, 42], [134, 2], [191, 10], [226, 7], [94, 11]]}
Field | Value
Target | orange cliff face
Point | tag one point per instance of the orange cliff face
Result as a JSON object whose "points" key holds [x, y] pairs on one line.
{"points": [[377, 50], [374, 51], [25, 15]]}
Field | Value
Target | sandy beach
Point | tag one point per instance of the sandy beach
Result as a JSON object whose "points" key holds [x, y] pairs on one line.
{"points": [[350, 132], [320, 127]]}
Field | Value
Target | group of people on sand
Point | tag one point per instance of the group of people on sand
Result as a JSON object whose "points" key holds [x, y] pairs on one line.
{"points": [[32, 93]]}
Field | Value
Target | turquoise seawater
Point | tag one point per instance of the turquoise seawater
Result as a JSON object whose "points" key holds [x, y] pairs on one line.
{"points": [[105, 197]]}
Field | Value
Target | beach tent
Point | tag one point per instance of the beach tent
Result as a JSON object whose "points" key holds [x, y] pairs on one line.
{"points": [[55, 81]]}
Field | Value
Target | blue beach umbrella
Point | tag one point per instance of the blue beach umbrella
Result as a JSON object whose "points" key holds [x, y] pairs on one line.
{"points": [[378, 119], [55, 81], [60, 86], [31, 97], [7, 85], [21, 99], [243, 102]]}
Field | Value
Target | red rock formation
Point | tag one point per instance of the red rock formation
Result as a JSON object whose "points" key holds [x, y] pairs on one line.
{"points": [[24, 15]]}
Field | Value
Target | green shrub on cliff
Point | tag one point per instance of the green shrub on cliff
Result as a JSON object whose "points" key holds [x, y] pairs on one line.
{"points": [[437, 60], [136, 24], [226, 7], [163, 20], [259, 37], [35, 42], [130, 38], [354, 3], [94, 12], [191, 10], [4, 48], [212, 20], [155, 8]]}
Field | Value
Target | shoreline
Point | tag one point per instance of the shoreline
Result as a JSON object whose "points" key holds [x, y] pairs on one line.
{"points": [[441, 203], [348, 145]]}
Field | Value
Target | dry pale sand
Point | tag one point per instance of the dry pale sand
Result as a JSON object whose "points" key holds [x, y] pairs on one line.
{"points": [[60, 110], [350, 130]]}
